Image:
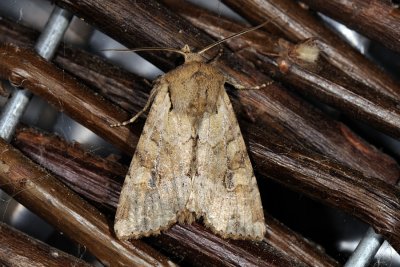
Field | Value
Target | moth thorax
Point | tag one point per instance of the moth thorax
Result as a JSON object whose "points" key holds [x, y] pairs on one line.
{"points": [[197, 101], [193, 57], [197, 90]]}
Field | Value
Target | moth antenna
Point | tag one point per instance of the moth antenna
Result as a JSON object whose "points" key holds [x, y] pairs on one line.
{"points": [[147, 49], [232, 36]]}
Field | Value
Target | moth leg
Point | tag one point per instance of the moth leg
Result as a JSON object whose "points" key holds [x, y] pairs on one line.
{"points": [[153, 93], [239, 86], [215, 59], [311, 40], [271, 54]]}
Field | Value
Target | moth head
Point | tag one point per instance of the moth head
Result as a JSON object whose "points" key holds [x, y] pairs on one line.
{"points": [[190, 56]]}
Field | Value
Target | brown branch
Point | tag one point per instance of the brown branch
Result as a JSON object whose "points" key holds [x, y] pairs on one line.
{"points": [[298, 24], [292, 243], [113, 83], [206, 249], [272, 107], [102, 178], [256, 115], [81, 170], [379, 20], [53, 201], [65, 93], [371, 200], [265, 142], [329, 84], [18, 249], [303, 181], [121, 87]]}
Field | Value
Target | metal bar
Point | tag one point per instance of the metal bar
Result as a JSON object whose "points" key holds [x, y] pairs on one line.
{"points": [[366, 249], [52, 34], [46, 47]]}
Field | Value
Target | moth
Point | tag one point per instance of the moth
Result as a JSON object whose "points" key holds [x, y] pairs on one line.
{"points": [[191, 161]]}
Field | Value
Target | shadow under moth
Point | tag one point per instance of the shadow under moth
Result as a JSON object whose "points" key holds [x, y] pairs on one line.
{"points": [[191, 161]]}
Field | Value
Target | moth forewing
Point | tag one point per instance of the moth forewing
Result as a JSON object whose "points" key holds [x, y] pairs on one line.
{"points": [[191, 161], [225, 190]]}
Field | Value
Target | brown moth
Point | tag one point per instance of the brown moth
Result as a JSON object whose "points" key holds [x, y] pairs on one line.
{"points": [[191, 161]]}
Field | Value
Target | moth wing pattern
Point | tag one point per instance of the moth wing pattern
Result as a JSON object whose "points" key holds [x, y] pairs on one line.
{"points": [[157, 185], [225, 191]]}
